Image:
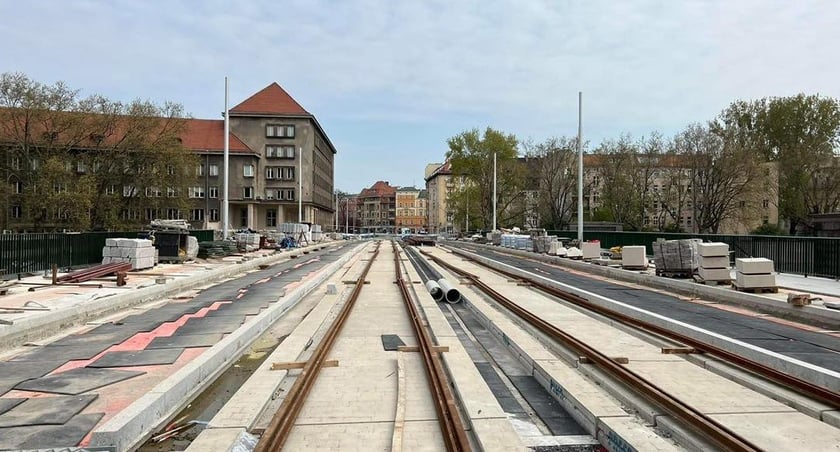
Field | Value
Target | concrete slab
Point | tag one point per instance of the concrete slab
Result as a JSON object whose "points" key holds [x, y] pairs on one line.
{"points": [[77, 381], [138, 358], [49, 436], [216, 439], [45, 410], [783, 431]]}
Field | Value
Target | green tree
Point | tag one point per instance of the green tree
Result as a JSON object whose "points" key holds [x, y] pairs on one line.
{"points": [[471, 156], [87, 162]]}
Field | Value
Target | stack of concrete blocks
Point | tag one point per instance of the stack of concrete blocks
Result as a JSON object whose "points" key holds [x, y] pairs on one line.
{"points": [[192, 247], [296, 231], [714, 262], [634, 257], [556, 248], [524, 243], [495, 238], [754, 273], [515, 240], [574, 252], [590, 250], [543, 243], [139, 252], [247, 241], [675, 256], [317, 234]]}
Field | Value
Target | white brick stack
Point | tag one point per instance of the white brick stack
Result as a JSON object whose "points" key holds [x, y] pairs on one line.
{"points": [[247, 241], [139, 252], [714, 261], [590, 250], [634, 257], [754, 273]]}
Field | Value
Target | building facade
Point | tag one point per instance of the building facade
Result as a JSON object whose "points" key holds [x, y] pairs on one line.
{"points": [[377, 208], [411, 210], [439, 185]]}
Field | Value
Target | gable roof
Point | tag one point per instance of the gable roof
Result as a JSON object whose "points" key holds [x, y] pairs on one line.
{"points": [[271, 100], [442, 170], [380, 189], [209, 135]]}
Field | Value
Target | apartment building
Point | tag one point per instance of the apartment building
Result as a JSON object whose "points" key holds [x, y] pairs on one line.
{"points": [[411, 210], [280, 159], [439, 185], [377, 207]]}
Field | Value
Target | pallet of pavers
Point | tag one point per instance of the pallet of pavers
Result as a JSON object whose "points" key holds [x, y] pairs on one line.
{"points": [[714, 263], [755, 274], [139, 252], [674, 258]]}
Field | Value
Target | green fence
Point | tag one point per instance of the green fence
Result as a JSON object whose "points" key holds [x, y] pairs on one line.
{"points": [[810, 256], [29, 253]]}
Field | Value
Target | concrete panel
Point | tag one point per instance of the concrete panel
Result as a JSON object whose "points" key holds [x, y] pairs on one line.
{"points": [[754, 265]]}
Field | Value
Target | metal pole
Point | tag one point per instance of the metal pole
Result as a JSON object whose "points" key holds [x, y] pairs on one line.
{"points": [[225, 211], [494, 191], [335, 212], [580, 166], [300, 184], [346, 215]]}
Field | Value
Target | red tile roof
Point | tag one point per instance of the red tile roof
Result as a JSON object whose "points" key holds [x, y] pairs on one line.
{"points": [[209, 135], [271, 100], [445, 169], [380, 189]]}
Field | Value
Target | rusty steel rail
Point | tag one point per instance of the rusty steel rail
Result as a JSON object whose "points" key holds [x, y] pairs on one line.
{"points": [[796, 384], [449, 418], [284, 420], [699, 422]]}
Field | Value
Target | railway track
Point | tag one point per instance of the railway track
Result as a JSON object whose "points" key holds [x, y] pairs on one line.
{"points": [[691, 417], [451, 425]]}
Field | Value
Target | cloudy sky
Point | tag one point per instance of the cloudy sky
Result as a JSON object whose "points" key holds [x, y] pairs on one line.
{"points": [[390, 81]]}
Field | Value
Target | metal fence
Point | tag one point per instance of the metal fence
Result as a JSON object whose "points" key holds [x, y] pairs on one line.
{"points": [[29, 253], [809, 256]]}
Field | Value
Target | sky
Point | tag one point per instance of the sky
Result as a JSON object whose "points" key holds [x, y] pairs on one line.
{"points": [[391, 81]]}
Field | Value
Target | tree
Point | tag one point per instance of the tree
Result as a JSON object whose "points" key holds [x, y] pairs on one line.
{"points": [[801, 134], [88, 162], [471, 157], [553, 165]]}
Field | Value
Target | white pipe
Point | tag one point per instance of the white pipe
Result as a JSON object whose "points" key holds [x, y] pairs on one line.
{"points": [[452, 294], [434, 290]]}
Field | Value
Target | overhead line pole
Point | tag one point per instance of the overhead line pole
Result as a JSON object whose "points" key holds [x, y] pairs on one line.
{"points": [[580, 166], [225, 207]]}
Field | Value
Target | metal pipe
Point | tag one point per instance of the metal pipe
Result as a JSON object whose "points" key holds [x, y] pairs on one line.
{"points": [[434, 289], [452, 294]]}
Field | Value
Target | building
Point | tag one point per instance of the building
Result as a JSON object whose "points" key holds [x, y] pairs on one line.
{"points": [[439, 185], [411, 210], [377, 208], [280, 159]]}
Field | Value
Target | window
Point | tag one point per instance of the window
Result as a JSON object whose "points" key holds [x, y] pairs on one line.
{"points": [[127, 214], [214, 215], [81, 167], [243, 217], [742, 204], [280, 152], [196, 192], [269, 194], [279, 131], [271, 173], [171, 192], [152, 192], [110, 190], [288, 195], [173, 214], [151, 214], [287, 172], [271, 218], [18, 187], [15, 163], [199, 170], [128, 191], [213, 192], [17, 212], [248, 170], [197, 215], [765, 203], [214, 170], [247, 192], [68, 166], [35, 163]]}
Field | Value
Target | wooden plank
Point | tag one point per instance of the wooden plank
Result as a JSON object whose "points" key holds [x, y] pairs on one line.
{"points": [[399, 418], [301, 364], [678, 350], [415, 348]]}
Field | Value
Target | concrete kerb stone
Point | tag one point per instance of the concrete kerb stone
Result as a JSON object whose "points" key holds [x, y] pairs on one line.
{"points": [[823, 377], [49, 323], [137, 422], [824, 317]]}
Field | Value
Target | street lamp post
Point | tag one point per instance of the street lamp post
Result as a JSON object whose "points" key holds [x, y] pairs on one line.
{"points": [[580, 166]]}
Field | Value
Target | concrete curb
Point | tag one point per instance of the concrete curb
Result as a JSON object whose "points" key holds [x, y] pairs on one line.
{"points": [[823, 317], [822, 377], [134, 424], [49, 323]]}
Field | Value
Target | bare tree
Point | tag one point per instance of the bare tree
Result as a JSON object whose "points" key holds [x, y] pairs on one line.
{"points": [[553, 166]]}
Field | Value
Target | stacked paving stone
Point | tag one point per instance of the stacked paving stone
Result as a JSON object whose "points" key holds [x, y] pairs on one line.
{"points": [[634, 257], [714, 262], [754, 273], [677, 257], [139, 252], [247, 241]]}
